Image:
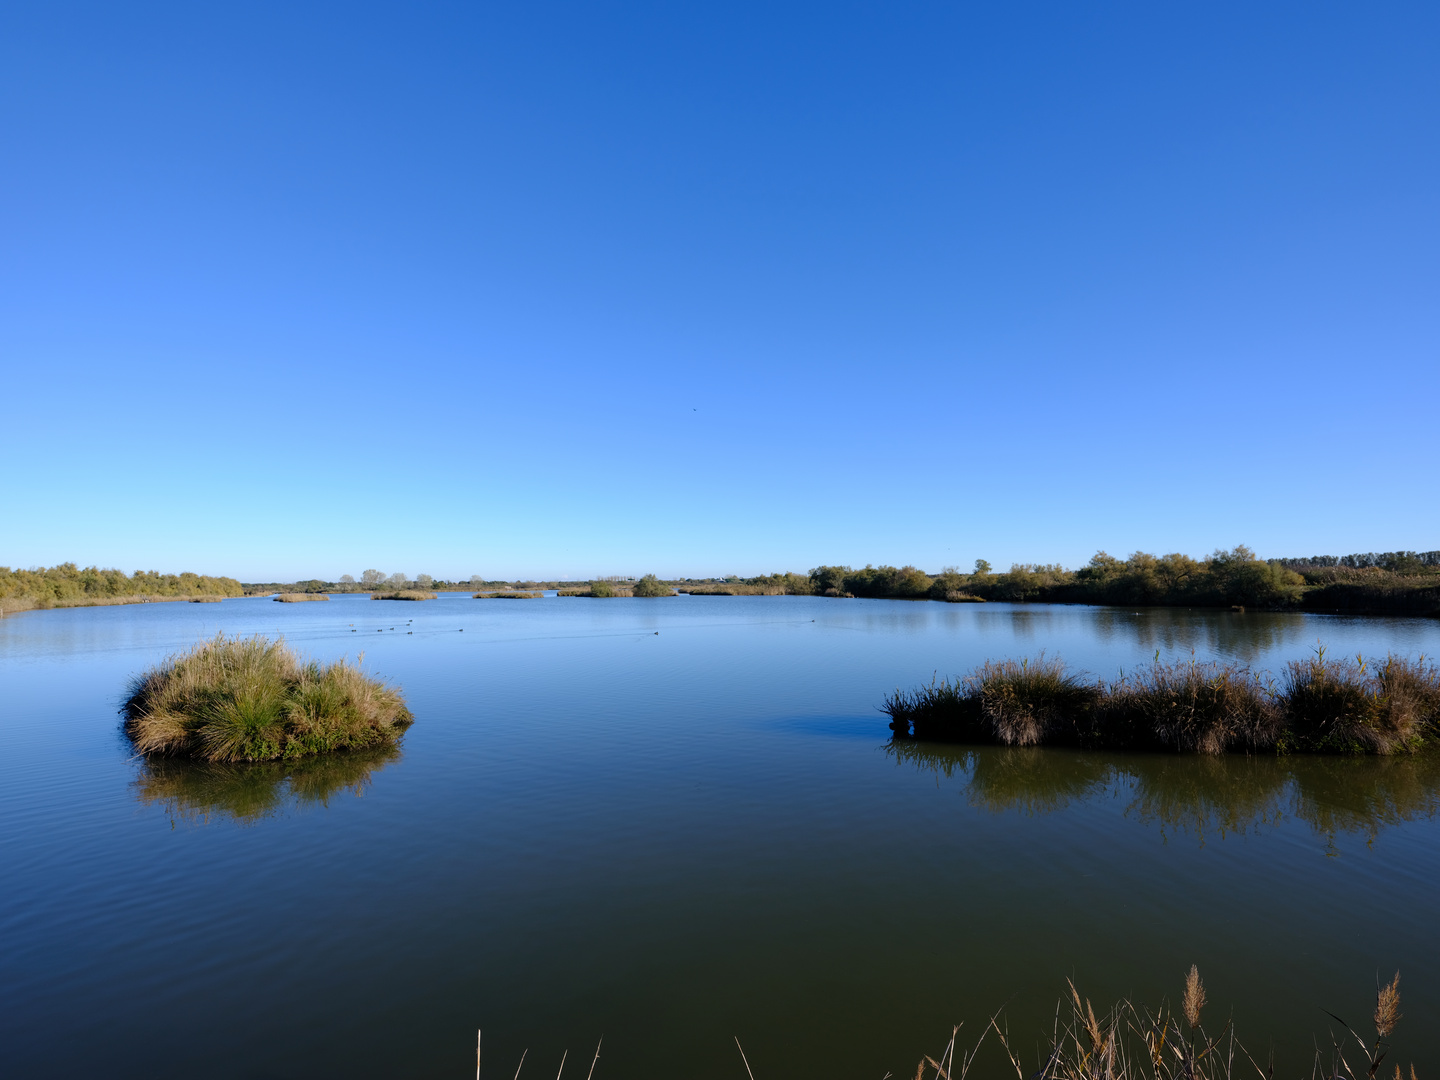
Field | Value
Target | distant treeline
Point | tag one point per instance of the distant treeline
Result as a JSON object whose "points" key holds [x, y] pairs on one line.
{"points": [[1394, 582], [1397, 562], [67, 585]]}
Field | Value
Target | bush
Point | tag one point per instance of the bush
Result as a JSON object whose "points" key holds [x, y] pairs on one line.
{"points": [[650, 585]]}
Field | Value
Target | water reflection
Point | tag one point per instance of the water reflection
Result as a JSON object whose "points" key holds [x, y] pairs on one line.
{"points": [[1199, 796], [196, 792]]}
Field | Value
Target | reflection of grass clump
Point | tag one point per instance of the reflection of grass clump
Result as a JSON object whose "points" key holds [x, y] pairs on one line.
{"points": [[250, 699], [249, 791]]}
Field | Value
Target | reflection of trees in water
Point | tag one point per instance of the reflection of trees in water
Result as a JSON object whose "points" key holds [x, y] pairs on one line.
{"points": [[1032, 779], [1201, 795], [247, 792], [1243, 636]]}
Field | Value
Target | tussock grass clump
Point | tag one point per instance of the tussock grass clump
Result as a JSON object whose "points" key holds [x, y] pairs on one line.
{"points": [[1348, 706], [405, 594], [507, 596], [299, 597], [252, 699], [1189, 706], [1323, 705], [1011, 702]]}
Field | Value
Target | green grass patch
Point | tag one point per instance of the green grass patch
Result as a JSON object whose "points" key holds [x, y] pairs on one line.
{"points": [[253, 699]]}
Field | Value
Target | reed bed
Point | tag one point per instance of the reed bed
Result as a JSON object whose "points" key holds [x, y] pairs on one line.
{"points": [[1320, 705], [253, 699], [405, 594], [1132, 1040], [298, 597], [599, 590], [508, 595], [733, 590]]}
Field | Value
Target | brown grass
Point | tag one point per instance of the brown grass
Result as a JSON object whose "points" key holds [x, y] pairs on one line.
{"points": [[1134, 1040], [405, 594], [1322, 706], [509, 595], [252, 699], [13, 605], [298, 597]]}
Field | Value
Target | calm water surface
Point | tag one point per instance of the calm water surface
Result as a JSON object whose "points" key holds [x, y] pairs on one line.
{"points": [[673, 821]]}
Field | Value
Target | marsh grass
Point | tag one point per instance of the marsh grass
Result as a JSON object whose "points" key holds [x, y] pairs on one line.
{"points": [[1132, 1039], [299, 597], [253, 699], [1322, 705], [733, 590], [598, 590], [405, 594], [508, 596]]}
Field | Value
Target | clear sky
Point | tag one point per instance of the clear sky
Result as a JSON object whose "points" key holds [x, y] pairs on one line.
{"points": [[541, 289]]}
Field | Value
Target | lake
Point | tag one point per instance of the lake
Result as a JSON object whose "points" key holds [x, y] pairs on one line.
{"points": [[673, 822]]}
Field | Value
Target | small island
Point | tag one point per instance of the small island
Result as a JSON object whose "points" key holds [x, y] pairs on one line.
{"points": [[253, 699], [1320, 705]]}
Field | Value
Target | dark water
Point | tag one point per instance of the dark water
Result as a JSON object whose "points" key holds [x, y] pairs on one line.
{"points": [[672, 839]]}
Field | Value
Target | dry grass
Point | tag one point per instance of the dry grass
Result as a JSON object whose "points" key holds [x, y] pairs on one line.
{"points": [[298, 597], [1352, 706], [508, 595], [13, 605], [252, 699], [732, 590], [1323, 706], [405, 594], [1132, 1040]]}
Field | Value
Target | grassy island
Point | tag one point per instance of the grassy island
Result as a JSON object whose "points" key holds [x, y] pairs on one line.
{"points": [[299, 597], [1320, 705], [252, 699], [405, 594], [508, 595]]}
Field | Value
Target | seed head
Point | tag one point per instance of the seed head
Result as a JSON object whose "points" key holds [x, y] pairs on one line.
{"points": [[1194, 996], [1387, 1007]]}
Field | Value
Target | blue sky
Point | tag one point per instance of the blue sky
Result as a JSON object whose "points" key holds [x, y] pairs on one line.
{"points": [[538, 289]]}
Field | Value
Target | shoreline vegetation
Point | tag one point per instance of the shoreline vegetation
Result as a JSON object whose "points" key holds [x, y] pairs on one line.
{"points": [[1320, 705], [1384, 583], [233, 699], [67, 585], [1132, 1039]]}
